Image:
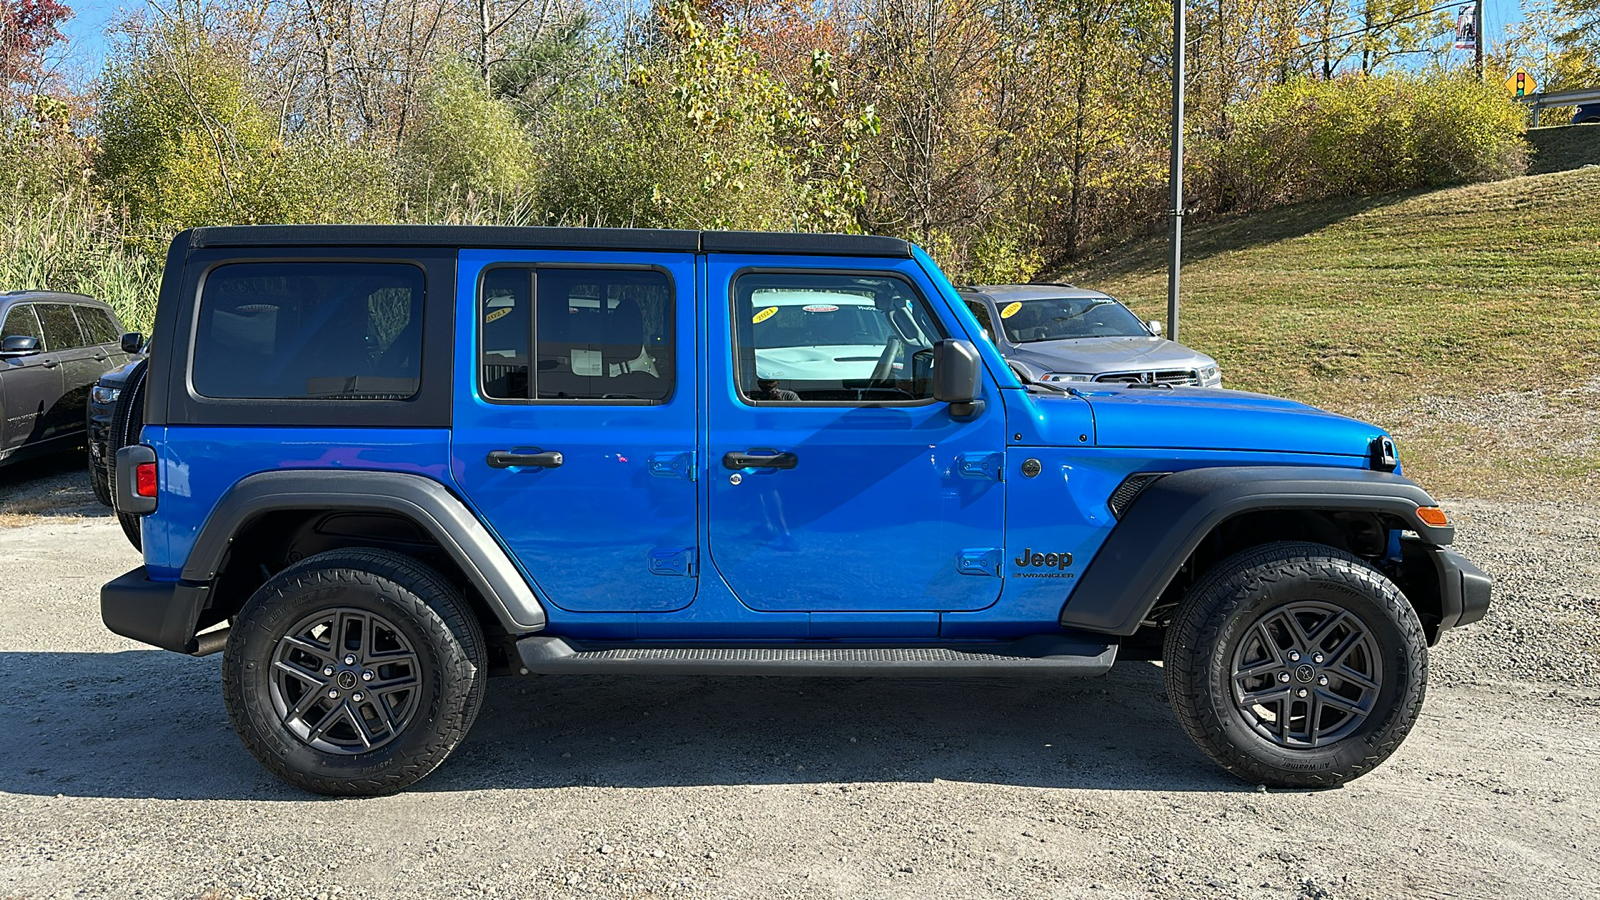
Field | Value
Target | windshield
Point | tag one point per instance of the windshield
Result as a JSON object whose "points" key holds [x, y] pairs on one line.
{"points": [[1063, 318]]}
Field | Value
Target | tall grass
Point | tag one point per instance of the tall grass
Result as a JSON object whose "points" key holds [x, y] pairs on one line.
{"points": [[72, 242]]}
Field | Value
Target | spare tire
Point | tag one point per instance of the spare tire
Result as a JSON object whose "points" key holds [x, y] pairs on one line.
{"points": [[127, 421]]}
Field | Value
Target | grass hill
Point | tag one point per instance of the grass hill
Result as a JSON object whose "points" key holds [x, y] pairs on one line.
{"points": [[1467, 320]]}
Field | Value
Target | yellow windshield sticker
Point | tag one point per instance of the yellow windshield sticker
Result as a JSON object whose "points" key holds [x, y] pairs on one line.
{"points": [[765, 314], [497, 314], [1011, 309]]}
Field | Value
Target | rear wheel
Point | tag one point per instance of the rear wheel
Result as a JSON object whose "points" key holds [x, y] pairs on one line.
{"points": [[1296, 665], [354, 672]]}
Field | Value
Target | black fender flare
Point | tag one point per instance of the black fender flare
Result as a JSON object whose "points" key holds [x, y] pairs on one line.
{"points": [[1164, 524], [424, 501]]}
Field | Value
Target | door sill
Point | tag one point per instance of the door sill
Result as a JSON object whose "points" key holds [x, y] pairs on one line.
{"points": [[1045, 654]]}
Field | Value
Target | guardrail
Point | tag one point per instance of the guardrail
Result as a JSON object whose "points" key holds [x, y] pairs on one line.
{"points": [[1546, 99]]}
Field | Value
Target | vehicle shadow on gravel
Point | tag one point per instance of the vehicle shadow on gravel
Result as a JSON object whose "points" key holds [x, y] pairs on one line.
{"points": [[151, 724], [56, 485]]}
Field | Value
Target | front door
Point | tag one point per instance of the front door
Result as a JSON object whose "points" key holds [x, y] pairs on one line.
{"points": [[33, 383], [574, 430], [837, 483]]}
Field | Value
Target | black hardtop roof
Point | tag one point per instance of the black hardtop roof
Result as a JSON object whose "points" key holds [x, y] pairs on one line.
{"points": [[546, 238]]}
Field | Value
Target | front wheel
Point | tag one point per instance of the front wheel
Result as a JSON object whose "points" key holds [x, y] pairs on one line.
{"points": [[354, 672], [97, 480], [1296, 665]]}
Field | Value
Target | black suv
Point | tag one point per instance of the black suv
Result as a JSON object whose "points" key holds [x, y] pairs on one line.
{"points": [[53, 347]]}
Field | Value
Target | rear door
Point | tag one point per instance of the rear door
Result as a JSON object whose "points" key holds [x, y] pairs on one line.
{"points": [[574, 432], [33, 383], [81, 365], [836, 481]]}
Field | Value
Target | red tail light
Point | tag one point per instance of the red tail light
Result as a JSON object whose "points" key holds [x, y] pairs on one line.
{"points": [[144, 479]]}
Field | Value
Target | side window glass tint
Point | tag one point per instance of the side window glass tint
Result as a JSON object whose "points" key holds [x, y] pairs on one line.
{"points": [[320, 331], [506, 332], [982, 313], [95, 325], [60, 326], [596, 334], [22, 321], [838, 339]]}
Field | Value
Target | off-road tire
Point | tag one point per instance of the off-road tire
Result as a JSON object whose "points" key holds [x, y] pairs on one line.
{"points": [[127, 421], [98, 480], [1223, 607], [434, 618]]}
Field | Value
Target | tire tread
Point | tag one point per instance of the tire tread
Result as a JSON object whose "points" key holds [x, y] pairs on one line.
{"points": [[432, 602], [1204, 614]]}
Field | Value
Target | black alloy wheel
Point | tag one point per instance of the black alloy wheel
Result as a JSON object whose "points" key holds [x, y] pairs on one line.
{"points": [[1296, 665], [354, 672]]}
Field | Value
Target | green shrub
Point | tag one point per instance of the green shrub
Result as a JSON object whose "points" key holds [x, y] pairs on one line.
{"points": [[74, 243], [467, 144], [1310, 139]]}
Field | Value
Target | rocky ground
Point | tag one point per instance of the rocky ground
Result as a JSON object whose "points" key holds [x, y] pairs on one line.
{"points": [[120, 776]]}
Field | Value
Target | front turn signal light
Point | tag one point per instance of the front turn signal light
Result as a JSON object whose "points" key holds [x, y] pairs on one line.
{"points": [[1433, 515]]}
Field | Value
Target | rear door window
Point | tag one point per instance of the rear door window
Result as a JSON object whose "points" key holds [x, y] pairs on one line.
{"points": [[597, 334], [61, 330], [310, 330], [982, 314]]}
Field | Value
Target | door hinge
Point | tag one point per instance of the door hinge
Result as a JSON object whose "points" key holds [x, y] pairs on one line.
{"points": [[979, 561], [980, 465], [673, 465], [674, 561]]}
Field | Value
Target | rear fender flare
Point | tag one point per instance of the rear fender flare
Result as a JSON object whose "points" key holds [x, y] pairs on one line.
{"points": [[425, 502]]}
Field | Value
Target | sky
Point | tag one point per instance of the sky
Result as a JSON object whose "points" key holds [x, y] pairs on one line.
{"points": [[87, 48]]}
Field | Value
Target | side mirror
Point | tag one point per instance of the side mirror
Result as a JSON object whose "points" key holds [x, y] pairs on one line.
{"points": [[132, 342], [19, 345], [955, 377], [1155, 327]]}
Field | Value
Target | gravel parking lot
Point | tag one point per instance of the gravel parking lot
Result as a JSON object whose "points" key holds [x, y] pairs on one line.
{"points": [[120, 776]]}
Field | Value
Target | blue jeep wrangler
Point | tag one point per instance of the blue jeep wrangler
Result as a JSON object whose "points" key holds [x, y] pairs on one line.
{"points": [[381, 463]]}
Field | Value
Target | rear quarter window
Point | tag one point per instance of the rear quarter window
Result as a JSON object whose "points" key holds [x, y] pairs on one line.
{"points": [[313, 330], [97, 325]]}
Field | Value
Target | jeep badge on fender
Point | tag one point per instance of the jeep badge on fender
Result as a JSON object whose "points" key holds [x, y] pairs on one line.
{"points": [[1044, 560]]}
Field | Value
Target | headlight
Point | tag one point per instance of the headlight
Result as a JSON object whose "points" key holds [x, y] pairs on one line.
{"points": [[1058, 377], [106, 395], [1210, 375]]}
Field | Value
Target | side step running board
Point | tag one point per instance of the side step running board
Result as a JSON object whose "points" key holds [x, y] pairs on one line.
{"points": [[1050, 655]]}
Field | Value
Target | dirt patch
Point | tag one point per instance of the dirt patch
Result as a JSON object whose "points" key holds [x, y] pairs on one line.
{"points": [[53, 487], [121, 776], [1541, 443]]}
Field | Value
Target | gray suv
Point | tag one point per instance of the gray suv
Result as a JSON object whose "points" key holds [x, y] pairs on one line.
{"points": [[53, 347], [1061, 334]]}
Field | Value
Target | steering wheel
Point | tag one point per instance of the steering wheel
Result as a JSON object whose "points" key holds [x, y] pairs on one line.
{"points": [[883, 372]]}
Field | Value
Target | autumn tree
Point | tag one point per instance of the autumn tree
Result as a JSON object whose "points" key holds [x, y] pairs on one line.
{"points": [[27, 29]]}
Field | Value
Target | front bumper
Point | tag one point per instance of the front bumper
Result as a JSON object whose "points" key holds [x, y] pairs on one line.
{"points": [[161, 613], [1464, 589], [100, 434]]}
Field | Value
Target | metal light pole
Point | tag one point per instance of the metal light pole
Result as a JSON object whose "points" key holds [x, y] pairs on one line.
{"points": [[1477, 38], [1176, 263]]}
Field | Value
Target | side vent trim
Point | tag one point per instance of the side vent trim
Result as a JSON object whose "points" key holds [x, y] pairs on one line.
{"points": [[1129, 490]]}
